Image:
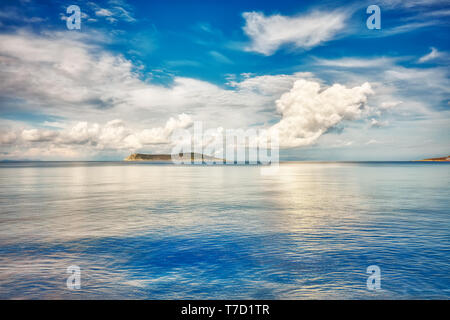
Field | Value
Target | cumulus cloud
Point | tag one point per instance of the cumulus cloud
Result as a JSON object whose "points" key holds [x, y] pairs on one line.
{"points": [[71, 76], [72, 79], [307, 112], [113, 135], [7, 137], [161, 135], [35, 135], [269, 33], [401, 91], [76, 80], [57, 71]]}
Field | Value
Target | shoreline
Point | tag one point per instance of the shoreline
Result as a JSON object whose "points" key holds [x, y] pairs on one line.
{"points": [[241, 164]]}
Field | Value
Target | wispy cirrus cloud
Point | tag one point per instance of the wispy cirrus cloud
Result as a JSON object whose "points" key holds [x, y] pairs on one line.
{"points": [[269, 33], [14, 14], [103, 12], [408, 27], [114, 11], [355, 62], [412, 3], [434, 55], [220, 57]]}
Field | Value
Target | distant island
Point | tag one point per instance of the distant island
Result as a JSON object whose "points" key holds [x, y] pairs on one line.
{"points": [[191, 156], [437, 159]]}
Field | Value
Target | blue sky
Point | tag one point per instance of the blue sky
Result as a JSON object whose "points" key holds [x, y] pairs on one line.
{"points": [[138, 70]]}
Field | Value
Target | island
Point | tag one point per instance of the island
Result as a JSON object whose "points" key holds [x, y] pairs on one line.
{"points": [[187, 157], [445, 159]]}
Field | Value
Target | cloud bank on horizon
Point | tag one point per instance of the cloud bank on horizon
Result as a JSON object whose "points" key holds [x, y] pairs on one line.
{"points": [[137, 71]]}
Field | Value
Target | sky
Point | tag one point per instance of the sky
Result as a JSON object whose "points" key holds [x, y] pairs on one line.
{"points": [[137, 71]]}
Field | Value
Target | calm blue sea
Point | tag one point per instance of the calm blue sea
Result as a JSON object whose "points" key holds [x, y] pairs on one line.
{"points": [[148, 231]]}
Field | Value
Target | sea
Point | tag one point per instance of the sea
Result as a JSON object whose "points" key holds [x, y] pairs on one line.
{"points": [[312, 230]]}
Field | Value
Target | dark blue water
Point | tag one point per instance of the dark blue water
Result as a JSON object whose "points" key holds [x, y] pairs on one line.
{"points": [[224, 232]]}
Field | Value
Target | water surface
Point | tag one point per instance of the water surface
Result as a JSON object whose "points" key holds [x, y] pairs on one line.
{"points": [[147, 231]]}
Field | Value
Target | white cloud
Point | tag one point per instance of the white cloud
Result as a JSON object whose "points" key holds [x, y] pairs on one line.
{"points": [[113, 135], [307, 112], [372, 141], [66, 76], [7, 137], [269, 85], [343, 143], [35, 135], [54, 124], [111, 19], [377, 123], [269, 33], [355, 62], [401, 91], [71, 78], [124, 14], [117, 10], [419, 80], [161, 135], [430, 56], [412, 3], [438, 13], [410, 104], [390, 104], [103, 13], [405, 28], [220, 57]]}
